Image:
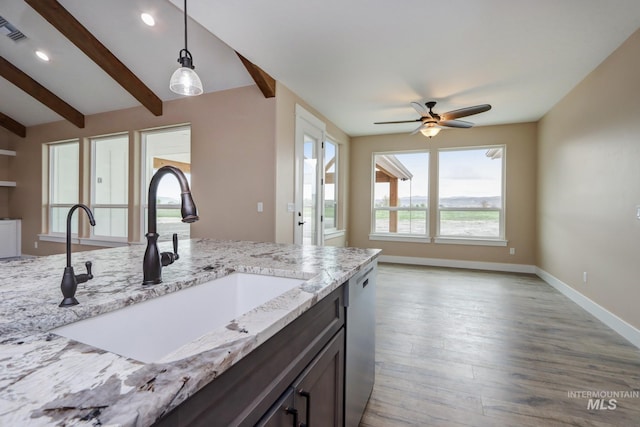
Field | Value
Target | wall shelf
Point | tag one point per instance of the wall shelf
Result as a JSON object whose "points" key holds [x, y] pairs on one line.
{"points": [[7, 153]]}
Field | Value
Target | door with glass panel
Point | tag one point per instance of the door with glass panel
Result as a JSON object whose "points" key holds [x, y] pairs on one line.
{"points": [[308, 218]]}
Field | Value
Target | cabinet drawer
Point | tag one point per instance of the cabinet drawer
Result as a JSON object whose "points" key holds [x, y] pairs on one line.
{"points": [[241, 395]]}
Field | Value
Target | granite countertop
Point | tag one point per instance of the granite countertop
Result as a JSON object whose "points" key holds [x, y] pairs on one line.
{"points": [[46, 379]]}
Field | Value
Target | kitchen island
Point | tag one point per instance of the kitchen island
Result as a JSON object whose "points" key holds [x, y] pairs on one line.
{"points": [[46, 379]]}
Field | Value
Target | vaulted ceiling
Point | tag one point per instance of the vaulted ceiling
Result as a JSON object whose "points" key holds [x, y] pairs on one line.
{"points": [[356, 61]]}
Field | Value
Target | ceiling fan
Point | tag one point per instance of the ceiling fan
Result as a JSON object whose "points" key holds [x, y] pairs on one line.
{"points": [[433, 122]]}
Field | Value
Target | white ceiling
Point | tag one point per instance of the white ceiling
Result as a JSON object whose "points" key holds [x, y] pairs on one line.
{"points": [[149, 52], [356, 61]]}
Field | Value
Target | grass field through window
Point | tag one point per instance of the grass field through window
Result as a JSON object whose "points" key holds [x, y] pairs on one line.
{"points": [[476, 223]]}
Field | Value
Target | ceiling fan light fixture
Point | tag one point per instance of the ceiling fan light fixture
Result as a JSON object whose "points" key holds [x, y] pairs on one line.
{"points": [[185, 81], [431, 122], [430, 131]]}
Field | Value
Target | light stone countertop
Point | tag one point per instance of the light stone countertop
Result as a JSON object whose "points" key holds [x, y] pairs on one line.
{"points": [[46, 379]]}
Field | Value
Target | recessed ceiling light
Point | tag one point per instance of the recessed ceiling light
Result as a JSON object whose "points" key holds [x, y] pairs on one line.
{"points": [[40, 54], [148, 19]]}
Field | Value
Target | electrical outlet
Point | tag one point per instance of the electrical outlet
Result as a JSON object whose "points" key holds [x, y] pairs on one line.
{"points": [[260, 207], [584, 277], [512, 251], [35, 245]]}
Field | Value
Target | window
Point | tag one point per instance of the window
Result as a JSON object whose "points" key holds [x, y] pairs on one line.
{"points": [[64, 184], [166, 147], [471, 193], [330, 186], [109, 185], [401, 194]]}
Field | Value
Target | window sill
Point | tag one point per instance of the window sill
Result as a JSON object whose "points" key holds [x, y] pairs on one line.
{"points": [[470, 241], [333, 234], [60, 238], [400, 238]]}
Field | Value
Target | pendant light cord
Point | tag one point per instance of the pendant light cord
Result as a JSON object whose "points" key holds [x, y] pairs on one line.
{"points": [[185, 26]]}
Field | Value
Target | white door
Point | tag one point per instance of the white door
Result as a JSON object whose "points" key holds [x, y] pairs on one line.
{"points": [[308, 191]]}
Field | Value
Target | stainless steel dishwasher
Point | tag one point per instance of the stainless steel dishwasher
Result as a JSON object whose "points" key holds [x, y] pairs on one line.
{"points": [[360, 301]]}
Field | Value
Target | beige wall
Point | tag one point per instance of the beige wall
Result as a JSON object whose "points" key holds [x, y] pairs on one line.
{"points": [[232, 157], [520, 140], [589, 185], [286, 102]]}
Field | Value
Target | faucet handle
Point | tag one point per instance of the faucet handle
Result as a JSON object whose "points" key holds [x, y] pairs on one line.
{"points": [[167, 258], [81, 278], [175, 247], [88, 264]]}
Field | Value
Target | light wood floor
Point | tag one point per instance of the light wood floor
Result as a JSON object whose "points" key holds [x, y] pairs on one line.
{"points": [[472, 348]]}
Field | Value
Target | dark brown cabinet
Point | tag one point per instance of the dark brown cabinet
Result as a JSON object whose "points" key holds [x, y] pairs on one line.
{"points": [[316, 397]]}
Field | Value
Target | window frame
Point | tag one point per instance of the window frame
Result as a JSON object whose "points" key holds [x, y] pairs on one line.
{"points": [[144, 186], [336, 188], [51, 173], [397, 236], [92, 188], [499, 240]]}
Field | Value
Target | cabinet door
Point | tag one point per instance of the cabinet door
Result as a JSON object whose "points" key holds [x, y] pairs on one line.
{"points": [[318, 393], [9, 235], [282, 413]]}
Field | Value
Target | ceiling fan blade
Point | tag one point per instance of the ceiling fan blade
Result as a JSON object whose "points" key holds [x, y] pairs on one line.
{"points": [[464, 112], [455, 123], [399, 121], [418, 129], [421, 109]]}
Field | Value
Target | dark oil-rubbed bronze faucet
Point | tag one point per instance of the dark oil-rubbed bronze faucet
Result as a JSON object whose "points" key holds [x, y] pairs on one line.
{"points": [[70, 280], [153, 260]]}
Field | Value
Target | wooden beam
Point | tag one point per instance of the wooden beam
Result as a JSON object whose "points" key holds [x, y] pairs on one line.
{"points": [[159, 162], [16, 76], [13, 126], [329, 178], [265, 82], [66, 24], [382, 177], [393, 201]]}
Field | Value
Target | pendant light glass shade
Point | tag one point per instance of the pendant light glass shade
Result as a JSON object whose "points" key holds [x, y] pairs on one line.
{"points": [[185, 81]]}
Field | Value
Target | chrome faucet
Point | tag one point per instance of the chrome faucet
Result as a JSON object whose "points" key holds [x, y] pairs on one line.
{"points": [[153, 260], [70, 280]]}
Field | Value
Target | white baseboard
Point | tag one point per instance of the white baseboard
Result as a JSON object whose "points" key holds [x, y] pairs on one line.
{"points": [[454, 263], [624, 329]]}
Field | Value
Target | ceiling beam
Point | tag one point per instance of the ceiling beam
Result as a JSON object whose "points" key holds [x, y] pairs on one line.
{"points": [[13, 126], [265, 82], [66, 24], [39, 92]]}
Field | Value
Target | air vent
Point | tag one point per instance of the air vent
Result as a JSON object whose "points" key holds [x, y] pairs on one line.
{"points": [[10, 31]]}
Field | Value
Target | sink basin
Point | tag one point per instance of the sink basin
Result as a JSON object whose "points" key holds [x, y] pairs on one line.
{"points": [[149, 330]]}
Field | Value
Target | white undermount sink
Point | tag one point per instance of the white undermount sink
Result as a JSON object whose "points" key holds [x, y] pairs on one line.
{"points": [[152, 329]]}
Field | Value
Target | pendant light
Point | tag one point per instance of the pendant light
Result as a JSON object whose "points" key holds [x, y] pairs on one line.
{"points": [[184, 80]]}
